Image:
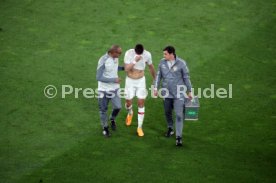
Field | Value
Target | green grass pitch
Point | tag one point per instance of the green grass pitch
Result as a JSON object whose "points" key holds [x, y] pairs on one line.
{"points": [[60, 41]]}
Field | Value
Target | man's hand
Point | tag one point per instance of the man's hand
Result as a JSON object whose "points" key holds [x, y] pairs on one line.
{"points": [[155, 92], [190, 95], [118, 80], [137, 58]]}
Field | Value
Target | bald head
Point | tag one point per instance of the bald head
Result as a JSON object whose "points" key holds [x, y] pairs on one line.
{"points": [[115, 51], [113, 48]]}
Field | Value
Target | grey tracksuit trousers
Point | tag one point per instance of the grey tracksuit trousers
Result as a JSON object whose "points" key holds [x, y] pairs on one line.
{"points": [[177, 105], [103, 106]]}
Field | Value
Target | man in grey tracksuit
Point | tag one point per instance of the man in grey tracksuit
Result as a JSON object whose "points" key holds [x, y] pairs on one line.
{"points": [[174, 74], [108, 86]]}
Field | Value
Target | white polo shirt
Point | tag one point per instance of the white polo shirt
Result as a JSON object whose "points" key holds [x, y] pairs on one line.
{"points": [[141, 64]]}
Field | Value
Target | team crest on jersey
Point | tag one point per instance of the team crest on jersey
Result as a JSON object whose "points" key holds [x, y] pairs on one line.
{"points": [[175, 68], [163, 66]]}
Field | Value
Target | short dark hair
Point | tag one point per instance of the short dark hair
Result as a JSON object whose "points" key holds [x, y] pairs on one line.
{"points": [[170, 50], [139, 49]]}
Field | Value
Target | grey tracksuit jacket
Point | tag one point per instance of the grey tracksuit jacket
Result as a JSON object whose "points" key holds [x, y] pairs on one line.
{"points": [[178, 74]]}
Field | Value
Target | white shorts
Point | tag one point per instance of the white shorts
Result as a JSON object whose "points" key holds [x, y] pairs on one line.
{"points": [[135, 87]]}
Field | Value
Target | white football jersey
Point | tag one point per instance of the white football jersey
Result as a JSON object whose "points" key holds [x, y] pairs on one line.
{"points": [[141, 64]]}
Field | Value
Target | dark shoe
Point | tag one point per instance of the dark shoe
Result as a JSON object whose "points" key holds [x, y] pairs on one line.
{"points": [[106, 132], [178, 141], [169, 133], [113, 125]]}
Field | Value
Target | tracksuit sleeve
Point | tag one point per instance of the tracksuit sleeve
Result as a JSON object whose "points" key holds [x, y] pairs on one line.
{"points": [[186, 78], [100, 76]]}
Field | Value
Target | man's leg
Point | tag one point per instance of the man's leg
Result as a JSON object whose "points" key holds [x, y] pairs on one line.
{"points": [[141, 112], [129, 91], [168, 106], [103, 104], [128, 107], [141, 94], [116, 106], [178, 108]]}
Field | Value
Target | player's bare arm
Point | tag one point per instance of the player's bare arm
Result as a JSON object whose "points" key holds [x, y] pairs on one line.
{"points": [[152, 71]]}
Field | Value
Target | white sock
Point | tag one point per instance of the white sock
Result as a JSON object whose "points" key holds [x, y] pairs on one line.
{"points": [[129, 109], [141, 113]]}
